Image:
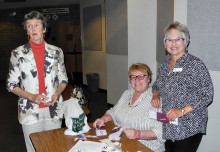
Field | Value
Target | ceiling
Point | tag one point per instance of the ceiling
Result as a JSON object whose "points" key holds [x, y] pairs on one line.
{"points": [[35, 3]]}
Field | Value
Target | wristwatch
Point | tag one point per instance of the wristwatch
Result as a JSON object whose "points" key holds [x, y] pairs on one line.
{"points": [[182, 110]]}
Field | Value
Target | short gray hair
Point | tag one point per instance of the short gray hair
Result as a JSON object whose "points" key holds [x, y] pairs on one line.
{"points": [[179, 27], [36, 15]]}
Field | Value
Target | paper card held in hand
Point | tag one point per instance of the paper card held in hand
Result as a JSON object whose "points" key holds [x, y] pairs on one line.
{"points": [[115, 134], [161, 117], [101, 131]]}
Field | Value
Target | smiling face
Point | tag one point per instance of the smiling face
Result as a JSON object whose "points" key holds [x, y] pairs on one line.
{"points": [[175, 44], [138, 85], [35, 30]]}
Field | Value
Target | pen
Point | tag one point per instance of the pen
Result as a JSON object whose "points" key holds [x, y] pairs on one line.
{"points": [[90, 136], [82, 137]]}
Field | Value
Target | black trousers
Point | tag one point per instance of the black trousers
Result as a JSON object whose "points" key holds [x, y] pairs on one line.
{"points": [[190, 144]]}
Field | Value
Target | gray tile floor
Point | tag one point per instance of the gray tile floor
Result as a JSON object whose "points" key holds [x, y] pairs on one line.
{"points": [[11, 135]]}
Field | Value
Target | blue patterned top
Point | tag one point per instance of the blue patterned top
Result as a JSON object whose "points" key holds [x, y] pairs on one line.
{"points": [[189, 83]]}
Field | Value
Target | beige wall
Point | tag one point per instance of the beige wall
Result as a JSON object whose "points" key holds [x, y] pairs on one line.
{"points": [[142, 17], [94, 61]]}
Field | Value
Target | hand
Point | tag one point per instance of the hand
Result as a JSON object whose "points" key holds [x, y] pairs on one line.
{"points": [[54, 98], [172, 114], [38, 98], [98, 123], [155, 102], [131, 133]]}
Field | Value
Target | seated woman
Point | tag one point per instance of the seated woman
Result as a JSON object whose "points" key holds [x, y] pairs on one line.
{"points": [[132, 110]]}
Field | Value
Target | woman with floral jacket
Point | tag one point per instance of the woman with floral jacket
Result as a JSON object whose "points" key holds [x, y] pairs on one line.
{"points": [[38, 76]]}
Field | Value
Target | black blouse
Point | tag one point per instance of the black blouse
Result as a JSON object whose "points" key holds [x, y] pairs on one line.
{"points": [[189, 83]]}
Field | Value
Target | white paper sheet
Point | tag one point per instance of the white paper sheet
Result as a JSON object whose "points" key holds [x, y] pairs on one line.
{"points": [[87, 146]]}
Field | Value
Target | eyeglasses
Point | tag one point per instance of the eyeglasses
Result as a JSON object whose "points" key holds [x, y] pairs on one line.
{"points": [[177, 40], [134, 77]]}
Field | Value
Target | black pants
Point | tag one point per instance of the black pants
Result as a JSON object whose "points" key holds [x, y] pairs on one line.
{"points": [[190, 144]]}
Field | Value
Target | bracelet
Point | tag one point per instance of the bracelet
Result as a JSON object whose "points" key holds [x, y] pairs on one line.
{"points": [[139, 135], [182, 110]]}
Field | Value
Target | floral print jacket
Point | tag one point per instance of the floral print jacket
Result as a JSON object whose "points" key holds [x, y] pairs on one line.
{"points": [[23, 74]]}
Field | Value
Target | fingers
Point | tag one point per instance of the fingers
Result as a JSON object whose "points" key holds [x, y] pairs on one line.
{"points": [[155, 103], [95, 124], [98, 123], [54, 98], [171, 118], [42, 98], [50, 103], [39, 98], [172, 114]]}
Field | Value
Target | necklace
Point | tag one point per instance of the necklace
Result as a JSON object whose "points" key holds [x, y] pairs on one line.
{"points": [[132, 105], [135, 97], [137, 100]]}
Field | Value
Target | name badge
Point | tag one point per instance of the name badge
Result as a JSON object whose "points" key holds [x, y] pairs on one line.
{"points": [[177, 69]]}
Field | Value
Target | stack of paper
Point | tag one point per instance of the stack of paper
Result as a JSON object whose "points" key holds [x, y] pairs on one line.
{"points": [[87, 146]]}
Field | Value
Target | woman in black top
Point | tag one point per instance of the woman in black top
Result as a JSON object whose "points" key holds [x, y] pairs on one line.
{"points": [[185, 88]]}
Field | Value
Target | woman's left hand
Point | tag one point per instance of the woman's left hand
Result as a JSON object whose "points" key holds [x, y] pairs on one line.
{"points": [[172, 114], [53, 99], [131, 133]]}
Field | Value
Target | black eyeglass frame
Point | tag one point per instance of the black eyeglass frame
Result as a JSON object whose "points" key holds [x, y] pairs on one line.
{"points": [[140, 77]]}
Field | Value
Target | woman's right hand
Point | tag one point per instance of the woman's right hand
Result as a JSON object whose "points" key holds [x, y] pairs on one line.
{"points": [[155, 102], [98, 123], [38, 98]]}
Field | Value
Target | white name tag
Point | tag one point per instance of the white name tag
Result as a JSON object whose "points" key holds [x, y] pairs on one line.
{"points": [[177, 69], [175, 122], [153, 114]]}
